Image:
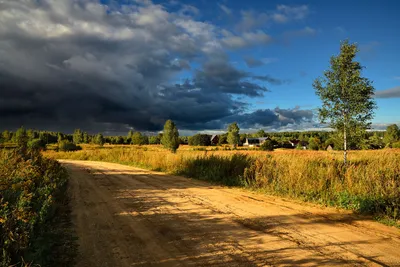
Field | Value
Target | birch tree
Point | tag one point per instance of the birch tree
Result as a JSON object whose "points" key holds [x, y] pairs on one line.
{"points": [[347, 97]]}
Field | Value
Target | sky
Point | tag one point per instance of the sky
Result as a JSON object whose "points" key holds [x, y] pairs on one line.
{"points": [[111, 66]]}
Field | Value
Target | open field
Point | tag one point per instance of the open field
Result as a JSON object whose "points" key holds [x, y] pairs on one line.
{"points": [[126, 216], [370, 183]]}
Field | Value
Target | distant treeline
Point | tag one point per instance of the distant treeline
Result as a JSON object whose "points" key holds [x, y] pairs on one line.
{"points": [[314, 140]]}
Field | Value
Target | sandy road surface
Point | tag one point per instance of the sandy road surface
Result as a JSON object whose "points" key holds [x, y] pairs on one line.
{"points": [[131, 217]]}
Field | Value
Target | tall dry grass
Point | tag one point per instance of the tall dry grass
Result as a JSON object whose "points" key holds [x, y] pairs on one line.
{"points": [[370, 183]]}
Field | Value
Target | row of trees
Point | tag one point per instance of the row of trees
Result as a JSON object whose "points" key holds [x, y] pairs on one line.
{"points": [[316, 139]]}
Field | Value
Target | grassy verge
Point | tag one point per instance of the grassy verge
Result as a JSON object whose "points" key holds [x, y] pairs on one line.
{"points": [[34, 214], [369, 184]]}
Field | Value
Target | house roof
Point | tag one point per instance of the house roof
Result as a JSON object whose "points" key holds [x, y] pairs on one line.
{"points": [[213, 136]]}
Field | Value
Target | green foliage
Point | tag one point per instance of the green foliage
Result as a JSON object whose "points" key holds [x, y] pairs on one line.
{"points": [[99, 139], [68, 146], [261, 133], [396, 145], [223, 139], [21, 137], [138, 139], [60, 137], [85, 138], [6, 136], [347, 98], [233, 134], [154, 140], [183, 139], [375, 142], [314, 143], [77, 137], [267, 145], [200, 140], [392, 134], [30, 187], [37, 144], [170, 139]]}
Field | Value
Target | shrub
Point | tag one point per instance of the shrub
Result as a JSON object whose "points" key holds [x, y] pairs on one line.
{"points": [[37, 144], [30, 187], [267, 146], [66, 146], [396, 145]]}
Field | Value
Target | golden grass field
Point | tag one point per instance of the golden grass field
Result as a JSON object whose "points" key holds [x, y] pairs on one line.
{"points": [[370, 183]]}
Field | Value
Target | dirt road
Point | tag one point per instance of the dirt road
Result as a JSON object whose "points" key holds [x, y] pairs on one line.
{"points": [[131, 217]]}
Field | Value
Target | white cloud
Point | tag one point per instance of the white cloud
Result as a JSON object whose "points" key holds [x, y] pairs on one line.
{"points": [[246, 39], [294, 12]]}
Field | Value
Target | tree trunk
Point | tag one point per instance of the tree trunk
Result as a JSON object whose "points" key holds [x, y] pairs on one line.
{"points": [[345, 144]]}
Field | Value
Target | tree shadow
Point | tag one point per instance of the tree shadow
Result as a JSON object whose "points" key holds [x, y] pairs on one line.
{"points": [[154, 228]]}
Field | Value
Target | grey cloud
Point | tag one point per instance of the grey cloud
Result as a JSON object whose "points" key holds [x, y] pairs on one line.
{"points": [[218, 76], [389, 93], [294, 116], [67, 64], [267, 119], [251, 19], [269, 79], [253, 62], [306, 31]]}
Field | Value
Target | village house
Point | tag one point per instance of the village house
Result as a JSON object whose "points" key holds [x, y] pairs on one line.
{"points": [[214, 139], [253, 142]]}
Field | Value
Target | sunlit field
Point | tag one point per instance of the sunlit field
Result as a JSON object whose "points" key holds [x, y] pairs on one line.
{"points": [[370, 183]]}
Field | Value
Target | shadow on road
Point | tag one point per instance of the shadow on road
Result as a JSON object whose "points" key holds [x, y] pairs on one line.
{"points": [[156, 221]]}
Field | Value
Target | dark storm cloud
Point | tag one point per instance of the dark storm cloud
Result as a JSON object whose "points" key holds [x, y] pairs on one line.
{"points": [[389, 93], [67, 64]]}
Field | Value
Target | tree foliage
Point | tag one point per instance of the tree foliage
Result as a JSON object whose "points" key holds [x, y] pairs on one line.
{"points": [[154, 140], [233, 134], [138, 138], [314, 143], [170, 138], [66, 146], [99, 139], [347, 98], [392, 134], [77, 137], [200, 140], [267, 145]]}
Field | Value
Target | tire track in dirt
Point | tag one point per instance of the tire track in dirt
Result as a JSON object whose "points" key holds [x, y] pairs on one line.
{"points": [[126, 216]]}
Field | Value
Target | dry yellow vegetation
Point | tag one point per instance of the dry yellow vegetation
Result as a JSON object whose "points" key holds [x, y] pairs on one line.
{"points": [[370, 183]]}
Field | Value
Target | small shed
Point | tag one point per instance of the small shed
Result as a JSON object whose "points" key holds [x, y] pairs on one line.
{"points": [[329, 148]]}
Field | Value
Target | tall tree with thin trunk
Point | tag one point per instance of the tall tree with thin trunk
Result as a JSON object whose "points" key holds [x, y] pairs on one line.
{"points": [[347, 98]]}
